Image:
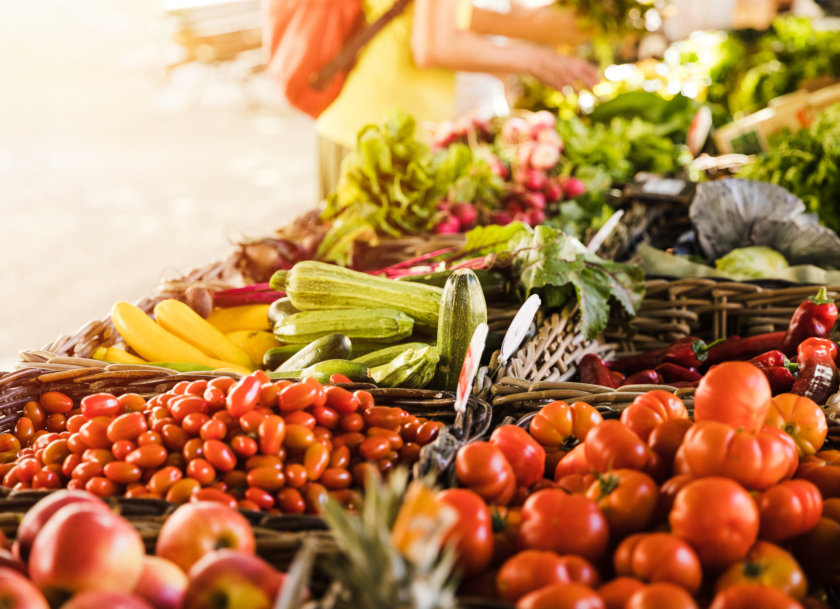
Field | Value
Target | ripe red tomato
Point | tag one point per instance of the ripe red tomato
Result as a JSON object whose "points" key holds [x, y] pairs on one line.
{"points": [[243, 396], [482, 467], [667, 437], [650, 410], [612, 445], [757, 461], [750, 596], [661, 595], [736, 393], [562, 596], [788, 509], [816, 550], [801, 418], [823, 469], [616, 592], [472, 531], [563, 426], [563, 523], [718, 518], [659, 557], [581, 570], [528, 571], [523, 452], [627, 498], [767, 565], [573, 462]]}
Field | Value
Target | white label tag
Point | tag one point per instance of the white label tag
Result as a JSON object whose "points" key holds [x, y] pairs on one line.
{"points": [[470, 367], [519, 327]]}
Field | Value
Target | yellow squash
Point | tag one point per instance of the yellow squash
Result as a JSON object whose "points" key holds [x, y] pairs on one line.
{"points": [[245, 317], [117, 356], [254, 342]]}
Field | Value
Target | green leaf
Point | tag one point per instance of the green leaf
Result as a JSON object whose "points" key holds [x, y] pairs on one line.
{"points": [[492, 239]]}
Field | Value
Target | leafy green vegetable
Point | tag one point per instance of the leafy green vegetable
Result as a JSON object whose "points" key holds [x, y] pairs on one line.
{"points": [[752, 262], [547, 261], [807, 163]]}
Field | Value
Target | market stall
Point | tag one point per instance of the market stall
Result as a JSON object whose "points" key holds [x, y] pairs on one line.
{"points": [[570, 357]]}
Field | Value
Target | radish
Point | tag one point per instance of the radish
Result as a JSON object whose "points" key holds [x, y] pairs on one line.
{"points": [[515, 130], [501, 218], [550, 136], [532, 179], [535, 216], [499, 167], [466, 213], [449, 225], [573, 187], [541, 120], [545, 156], [534, 200], [445, 134], [553, 190]]}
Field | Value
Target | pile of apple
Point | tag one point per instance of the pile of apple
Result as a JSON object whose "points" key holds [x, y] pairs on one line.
{"points": [[72, 551]]}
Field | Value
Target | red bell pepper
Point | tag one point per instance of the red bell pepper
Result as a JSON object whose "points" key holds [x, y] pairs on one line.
{"points": [[815, 317], [645, 377], [818, 375], [781, 379], [688, 352], [735, 348], [594, 371]]}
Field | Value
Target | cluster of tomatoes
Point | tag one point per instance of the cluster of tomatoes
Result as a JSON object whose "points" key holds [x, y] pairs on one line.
{"points": [[250, 443], [735, 508]]}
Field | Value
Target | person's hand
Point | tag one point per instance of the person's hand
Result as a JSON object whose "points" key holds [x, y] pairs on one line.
{"points": [[561, 71]]}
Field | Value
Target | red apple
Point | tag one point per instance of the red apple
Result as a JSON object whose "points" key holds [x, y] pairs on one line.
{"points": [[84, 547], [17, 592], [35, 519], [230, 579], [196, 529], [105, 599], [162, 583]]}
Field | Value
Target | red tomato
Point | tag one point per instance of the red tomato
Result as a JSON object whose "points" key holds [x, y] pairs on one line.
{"points": [[757, 461], [472, 530], [562, 596], [767, 565], [316, 459], [817, 549], [528, 571], [736, 393], [802, 418], [616, 592], [127, 427], [563, 426], [659, 557], [148, 456], [661, 595], [627, 498], [566, 524], [525, 455], [667, 493], [482, 467], [243, 396], [667, 437], [612, 445], [652, 409], [271, 432], [100, 405], [573, 462], [718, 518], [53, 402], [219, 455], [751, 596], [581, 570], [823, 469], [788, 509]]}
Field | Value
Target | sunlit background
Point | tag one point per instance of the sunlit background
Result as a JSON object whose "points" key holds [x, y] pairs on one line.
{"points": [[115, 172]]}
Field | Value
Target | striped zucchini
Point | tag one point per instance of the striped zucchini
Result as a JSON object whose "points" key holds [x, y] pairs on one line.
{"points": [[369, 325], [462, 309], [312, 286]]}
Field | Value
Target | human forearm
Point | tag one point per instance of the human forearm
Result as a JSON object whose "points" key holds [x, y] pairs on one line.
{"points": [[551, 25]]}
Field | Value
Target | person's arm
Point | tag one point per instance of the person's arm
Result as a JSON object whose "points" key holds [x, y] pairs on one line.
{"points": [[550, 25], [437, 42], [690, 15]]}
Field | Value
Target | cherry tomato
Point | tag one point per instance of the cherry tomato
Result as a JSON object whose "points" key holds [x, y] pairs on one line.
{"points": [[182, 490], [212, 494], [243, 396], [181, 407], [295, 475], [213, 430], [55, 452], [336, 478], [750, 596], [326, 417], [651, 409], [201, 470], [24, 430], [373, 449], [352, 422], [584, 529], [56, 422], [316, 459], [9, 443], [297, 397], [627, 498], [349, 440], [525, 455], [718, 518], [384, 416], [298, 437], [149, 437], [528, 571], [244, 446], [267, 478], [300, 417], [163, 479], [316, 498], [193, 449], [219, 454], [340, 400], [562, 596], [55, 402], [46, 479], [320, 398], [94, 433], [790, 508], [290, 501], [193, 421], [659, 557], [482, 467], [102, 487], [261, 498], [100, 405], [148, 456], [272, 433], [121, 472], [214, 397], [69, 463], [127, 427], [757, 461], [661, 595], [735, 393]]}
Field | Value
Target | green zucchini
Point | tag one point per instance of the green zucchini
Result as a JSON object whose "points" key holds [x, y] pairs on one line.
{"points": [[313, 286], [275, 356], [367, 325], [279, 309], [413, 369], [383, 356], [493, 284], [322, 371], [332, 346], [462, 309]]}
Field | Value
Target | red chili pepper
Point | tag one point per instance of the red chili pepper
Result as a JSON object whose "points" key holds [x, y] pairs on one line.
{"points": [[688, 352], [771, 359], [645, 377], [781, 379], [594, 371], [735, 348], [818, 375], [672, 373], [640, 361], [685, 384], [815, 317]]}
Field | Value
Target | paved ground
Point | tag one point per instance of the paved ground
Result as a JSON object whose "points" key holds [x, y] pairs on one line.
{"points": [[113, 175]]}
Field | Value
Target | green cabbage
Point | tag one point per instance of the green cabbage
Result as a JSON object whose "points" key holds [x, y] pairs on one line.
{"points": [[752, 262]]}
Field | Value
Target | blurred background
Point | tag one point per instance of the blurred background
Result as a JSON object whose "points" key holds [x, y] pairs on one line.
{"points": [[127, 157]]}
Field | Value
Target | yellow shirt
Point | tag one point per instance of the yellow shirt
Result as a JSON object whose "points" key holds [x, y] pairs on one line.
{"points": [[384, 78]]}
